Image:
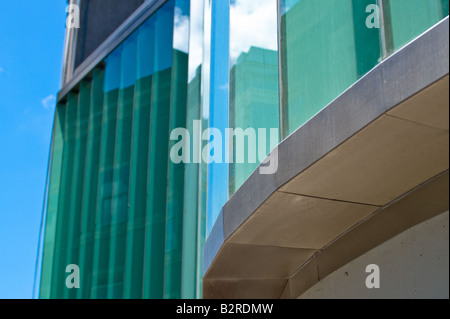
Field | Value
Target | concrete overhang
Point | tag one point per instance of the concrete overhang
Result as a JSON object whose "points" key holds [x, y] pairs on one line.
{"points": [[370, 165]]}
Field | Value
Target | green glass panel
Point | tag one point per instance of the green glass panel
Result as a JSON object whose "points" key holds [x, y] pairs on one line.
{"points": [[116, 201], [106, 170], [325, 47], [155, 225], [64, 201], [407, 19], [253, 84], [91, 185], [254, 106], [121, 175], [53, 198], [77, 185], [134, 262], [175, 191]]}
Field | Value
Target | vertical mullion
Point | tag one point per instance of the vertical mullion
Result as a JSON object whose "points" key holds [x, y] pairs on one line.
{"points": [[203, 167], [382, 22], [190, 244], [283, 120], [386, 34], [283, 74], [190, 219]]}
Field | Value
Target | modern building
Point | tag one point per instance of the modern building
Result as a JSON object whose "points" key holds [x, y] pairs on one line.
{"points": [[115, 205], [357, 93]]}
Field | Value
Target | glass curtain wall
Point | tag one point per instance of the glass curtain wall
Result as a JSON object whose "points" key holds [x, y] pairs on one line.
{"points": [[116, 202], [253, 85], [406, 19], [282, 61], [327, 45], [134, 221], [244, 94]]}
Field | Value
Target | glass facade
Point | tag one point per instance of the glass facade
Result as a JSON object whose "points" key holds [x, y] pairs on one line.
{"points": [[253, 82], [325, 47], [116, 201], [405, 20], [118, 206], [290, 58]]}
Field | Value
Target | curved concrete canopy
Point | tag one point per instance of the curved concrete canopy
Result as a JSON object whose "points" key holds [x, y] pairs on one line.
{"points": [[370, 165]]}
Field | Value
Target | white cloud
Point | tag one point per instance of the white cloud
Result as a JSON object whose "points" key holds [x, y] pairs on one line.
{"points": [[188, 35], [252, 23], [196, 37], [49, 101], [181, 32], [1, 70]]}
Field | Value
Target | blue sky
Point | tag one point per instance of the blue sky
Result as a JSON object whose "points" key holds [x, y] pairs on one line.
{"points": [[31, 46]]}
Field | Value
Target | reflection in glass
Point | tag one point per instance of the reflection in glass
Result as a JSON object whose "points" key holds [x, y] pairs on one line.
{"points": [[405, 20], [194, 224], [218, 114], [325, 47], [115, 201], [253, 78]]}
